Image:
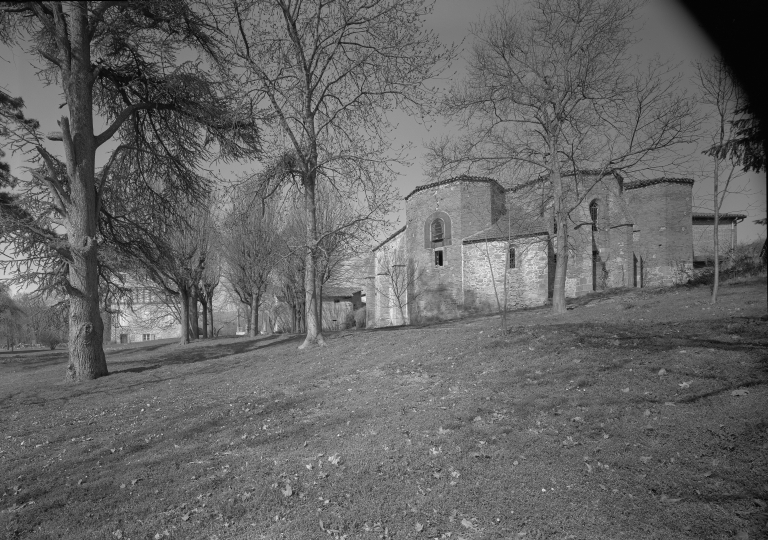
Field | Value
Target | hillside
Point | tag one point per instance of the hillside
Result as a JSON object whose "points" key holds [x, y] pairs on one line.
{"points": [[639, 414]]}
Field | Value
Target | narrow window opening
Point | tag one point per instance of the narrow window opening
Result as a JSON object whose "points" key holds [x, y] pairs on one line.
{"points": [[438, 230], [439, 257], [512, 260]]}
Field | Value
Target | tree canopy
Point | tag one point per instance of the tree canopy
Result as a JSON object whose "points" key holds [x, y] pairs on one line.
{"points": [[122, 61]]}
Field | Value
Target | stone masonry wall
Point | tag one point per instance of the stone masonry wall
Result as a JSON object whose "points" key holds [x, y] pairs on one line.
{"points": [[662, 234], [390, 295], [610, 244], [487, 264], [471, 206]]}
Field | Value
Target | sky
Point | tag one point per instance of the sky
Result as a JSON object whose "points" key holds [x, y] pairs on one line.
{"points": [[666, 29]]}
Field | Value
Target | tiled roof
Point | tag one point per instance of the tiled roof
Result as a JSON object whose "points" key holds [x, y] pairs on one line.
{"points": [[636, 184], [390, 237], [524, 225], [722, 217], [462, 178]]}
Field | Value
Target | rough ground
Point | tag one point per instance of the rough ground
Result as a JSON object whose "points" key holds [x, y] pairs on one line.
{"points": [[639, 414]]}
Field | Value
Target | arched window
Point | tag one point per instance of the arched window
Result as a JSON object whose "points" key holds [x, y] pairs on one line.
{"points": [[512, 261], [438, 230], [593, 214]]}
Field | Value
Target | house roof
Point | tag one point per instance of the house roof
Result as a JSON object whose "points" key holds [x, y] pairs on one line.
{"points": [[506, 228], [461, 178], [722, 217], [343, 292], [390, 237], [636, 184]]}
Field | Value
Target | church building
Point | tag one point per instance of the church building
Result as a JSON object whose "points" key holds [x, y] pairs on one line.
{"points": [[471, 245]]}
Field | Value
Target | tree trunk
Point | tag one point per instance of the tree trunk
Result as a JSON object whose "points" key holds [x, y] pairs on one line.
{"points": [[204, 306], [194, 328], [184, 315], [314, 332], [319, 295], [210, 314], [716, 235], [86, 329], [558, 293], [253, 324]]}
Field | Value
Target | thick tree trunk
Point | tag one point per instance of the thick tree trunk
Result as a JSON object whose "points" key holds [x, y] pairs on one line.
{"points": [[204, 306], [86, 329], [314, 332], [194, 328], [184, 315], [253, 323], [558, 293], [210, 315]]}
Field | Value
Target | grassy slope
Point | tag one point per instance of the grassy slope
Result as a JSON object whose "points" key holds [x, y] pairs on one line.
{"points": [[561, 428]]}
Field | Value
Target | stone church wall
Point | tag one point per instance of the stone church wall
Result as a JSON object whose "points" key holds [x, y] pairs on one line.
{"points": [[643, 237], [470, 206], [486, 265], [662, 235], [390, 297]]}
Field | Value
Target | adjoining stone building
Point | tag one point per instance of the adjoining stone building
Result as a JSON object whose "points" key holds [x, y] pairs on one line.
{"points": [[465, 235]]}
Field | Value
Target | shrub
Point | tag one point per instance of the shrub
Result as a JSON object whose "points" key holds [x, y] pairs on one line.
{"points": [[50, 339], [349, 320], [359, 316], [744, 261]]}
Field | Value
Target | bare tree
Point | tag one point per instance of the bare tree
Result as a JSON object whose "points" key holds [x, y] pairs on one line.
{"points": [[11, 319], [250, 248], [167, 245], [552, 92], [724, 102], [118, 60], [399, 284], [209, 281], [328, 73]]}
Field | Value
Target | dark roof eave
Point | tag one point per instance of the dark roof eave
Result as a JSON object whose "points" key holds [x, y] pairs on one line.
{"points": [[503, 237], [462, 178], [390, 237], [721, 217], [637, 184]]}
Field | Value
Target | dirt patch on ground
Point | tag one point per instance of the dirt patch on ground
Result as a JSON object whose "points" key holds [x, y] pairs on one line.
{"points": [[639, 414]]}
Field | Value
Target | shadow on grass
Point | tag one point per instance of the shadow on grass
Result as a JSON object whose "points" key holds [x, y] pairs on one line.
{"points": [[726, 334], [202, 351]]}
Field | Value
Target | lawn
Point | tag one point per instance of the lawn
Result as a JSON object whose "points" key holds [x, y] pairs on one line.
{"points": [[639, 414]]}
